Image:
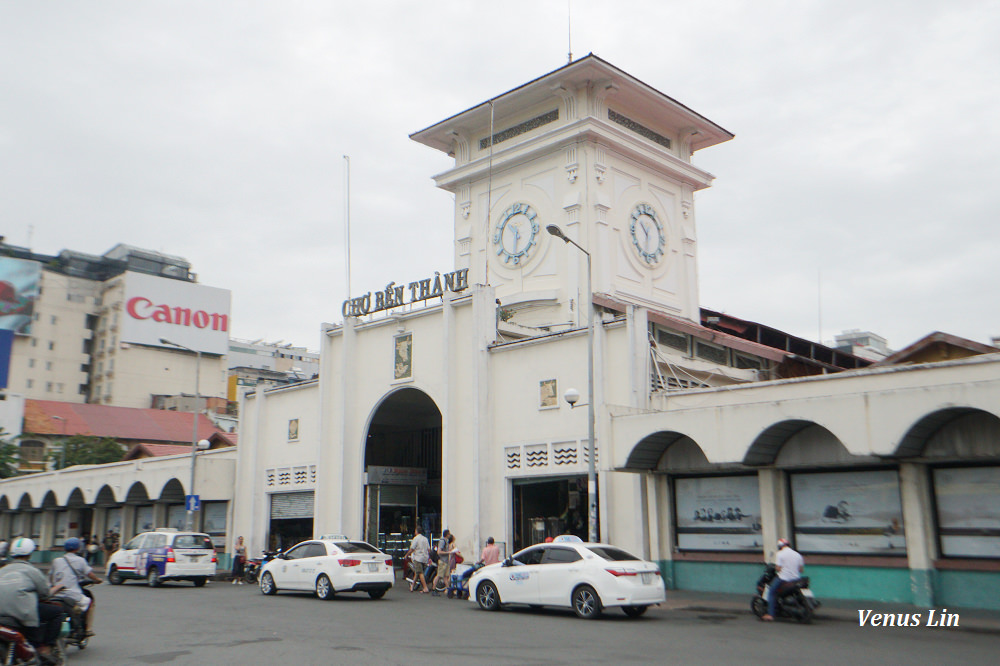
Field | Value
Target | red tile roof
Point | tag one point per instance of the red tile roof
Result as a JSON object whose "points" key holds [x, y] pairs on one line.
{"points": [[146, 425], [146, 450]]}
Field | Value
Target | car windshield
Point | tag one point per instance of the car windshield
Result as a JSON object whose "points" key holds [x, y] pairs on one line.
{"points": [[356, 547], [192, 541], [611, 553]]}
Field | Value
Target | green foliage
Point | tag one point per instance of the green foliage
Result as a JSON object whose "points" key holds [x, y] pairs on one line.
{"points": [[83, 450], [9, 453]]}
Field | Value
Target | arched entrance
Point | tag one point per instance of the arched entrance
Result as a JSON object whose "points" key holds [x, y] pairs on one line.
{"points": [[403, 470]]}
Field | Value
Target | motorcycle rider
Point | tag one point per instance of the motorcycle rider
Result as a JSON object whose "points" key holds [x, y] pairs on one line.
{"points": [[23, 595], [789, 565], [68, 571]]}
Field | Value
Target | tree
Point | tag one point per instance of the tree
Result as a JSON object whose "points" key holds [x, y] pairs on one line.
{"points": [[83, 450], [9, 456]]}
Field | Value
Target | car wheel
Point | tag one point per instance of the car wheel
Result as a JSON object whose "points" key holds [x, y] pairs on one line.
{"points": [[488, 597], [199, 582], [267, 585], [758, 606], [376, 594], [634, 611], [153, 577], [324, 590], [115, 576], [82, 643], [586, 603]]}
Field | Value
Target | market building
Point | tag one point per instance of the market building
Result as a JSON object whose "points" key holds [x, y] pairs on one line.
{"points": [[440, 400]]}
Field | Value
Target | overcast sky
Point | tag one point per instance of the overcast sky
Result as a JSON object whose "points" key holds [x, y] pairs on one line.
{"points": [[861, 190]]}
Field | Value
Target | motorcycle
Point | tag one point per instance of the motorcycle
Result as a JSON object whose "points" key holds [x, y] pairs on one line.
{"points": [[75, 632], [15, 650], [796, 600], [251, 570]]}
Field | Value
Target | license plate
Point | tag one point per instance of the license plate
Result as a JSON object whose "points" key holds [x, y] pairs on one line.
{"points": [[647, 578], [372, 566]]}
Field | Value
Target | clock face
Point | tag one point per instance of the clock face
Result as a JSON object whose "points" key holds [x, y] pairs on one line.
{"points": [[516, 233], [647, 233]]}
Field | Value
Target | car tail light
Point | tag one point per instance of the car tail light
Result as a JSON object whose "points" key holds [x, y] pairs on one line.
{"points": [[350, 563], [388, 562], [618, 571], [215, 560], [170, 555]]}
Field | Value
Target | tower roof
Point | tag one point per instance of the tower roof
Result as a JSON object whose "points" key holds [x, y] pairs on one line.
{"points": [[588, 70]]}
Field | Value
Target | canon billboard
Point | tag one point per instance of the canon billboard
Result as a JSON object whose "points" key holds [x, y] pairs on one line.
{"points": [[187, 313]]}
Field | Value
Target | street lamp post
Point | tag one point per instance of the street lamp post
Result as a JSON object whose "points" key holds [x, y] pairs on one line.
{"points": [[194, 434], [62, 454], [592, 534]]}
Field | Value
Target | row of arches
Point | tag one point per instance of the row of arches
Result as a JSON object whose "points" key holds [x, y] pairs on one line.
{"points": [[137, 493]]}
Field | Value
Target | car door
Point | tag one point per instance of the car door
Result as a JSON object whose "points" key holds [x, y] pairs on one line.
{"points": [[518, 583], [286, 571], [127, 557], [561, 570], [309, 564]]}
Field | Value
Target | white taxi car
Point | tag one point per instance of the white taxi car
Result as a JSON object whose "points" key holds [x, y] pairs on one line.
{"points": [[587, 577], [162, 555], [328, 567]]}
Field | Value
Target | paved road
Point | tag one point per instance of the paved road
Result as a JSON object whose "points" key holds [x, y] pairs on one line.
{"points": [[178, 624]]}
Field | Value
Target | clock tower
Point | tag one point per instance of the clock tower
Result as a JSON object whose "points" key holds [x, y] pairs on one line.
{"points": [[601, 155]]}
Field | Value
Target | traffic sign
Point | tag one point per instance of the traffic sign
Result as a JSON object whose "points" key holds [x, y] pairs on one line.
{"points": [[192, 502]]}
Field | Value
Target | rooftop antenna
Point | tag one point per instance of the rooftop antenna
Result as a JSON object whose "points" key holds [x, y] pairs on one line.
{"points": [[569, 30], [489, 196], [347, 217]]}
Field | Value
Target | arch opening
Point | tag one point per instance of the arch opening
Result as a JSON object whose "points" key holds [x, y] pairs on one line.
{"points": [[403, 465]]}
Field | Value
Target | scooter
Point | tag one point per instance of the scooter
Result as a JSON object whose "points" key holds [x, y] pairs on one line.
{"points": [[251, 570], [77, 635], [796, 600], [15, 650]]}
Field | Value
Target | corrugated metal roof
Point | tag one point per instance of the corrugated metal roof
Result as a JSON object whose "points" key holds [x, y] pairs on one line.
{"points": [[145, 425]]}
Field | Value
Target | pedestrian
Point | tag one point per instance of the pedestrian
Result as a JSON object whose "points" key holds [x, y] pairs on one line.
{"points": [[419, 553], [109, 544], [444, 551], [490, 554], [92, 549], [239, 561], [4, 545]]}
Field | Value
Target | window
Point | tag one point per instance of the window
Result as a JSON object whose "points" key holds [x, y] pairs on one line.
{"points": [[31, 362], [710, 352], [748, 362], [530, 556], [30, 383], [560, 556], [611, 553], [32, 451], [48, 387], [52, 345], [54, 319], [192, 541], [672, 339], [298, 552], [48, 365]]}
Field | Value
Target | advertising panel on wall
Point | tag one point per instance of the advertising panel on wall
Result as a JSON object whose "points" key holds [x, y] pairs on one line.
{"points": [[190, 314], [718, 513], [20, 284], [856, 512], [968, 511]]}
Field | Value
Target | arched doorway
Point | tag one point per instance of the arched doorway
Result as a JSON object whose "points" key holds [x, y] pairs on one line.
{"points": [[403, 470]]}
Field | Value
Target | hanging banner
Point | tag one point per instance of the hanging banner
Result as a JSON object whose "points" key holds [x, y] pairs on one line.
{"points": [[848, 512], [718, 513], [20, 285], [968, 511]]}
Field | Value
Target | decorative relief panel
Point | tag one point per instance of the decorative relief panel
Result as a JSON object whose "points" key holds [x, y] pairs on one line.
{"points": [[564, 453], [300, 475], [513, 457], [536, 455]]}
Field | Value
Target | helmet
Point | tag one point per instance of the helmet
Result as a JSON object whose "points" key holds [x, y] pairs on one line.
{"points": [[782, 543], [72, 544], [22, 547]]}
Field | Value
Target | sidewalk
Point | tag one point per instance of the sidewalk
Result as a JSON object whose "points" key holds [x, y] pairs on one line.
{"points": [[837, 610]]}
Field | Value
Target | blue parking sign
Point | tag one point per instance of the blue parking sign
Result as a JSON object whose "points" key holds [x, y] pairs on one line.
{"points": [[192, 503]]}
